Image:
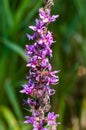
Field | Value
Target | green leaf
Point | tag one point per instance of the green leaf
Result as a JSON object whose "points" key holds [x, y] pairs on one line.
{"points": [[21, 10], [2, 125], [32, 13], [9, 118], [13, 98], [26, 127], [8, 13], [3, 61], [68, 84], [3, 22], [14, 47]]}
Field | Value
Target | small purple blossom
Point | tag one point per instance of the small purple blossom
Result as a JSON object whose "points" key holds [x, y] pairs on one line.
{"points": [[38, 27], [45, 16], [41, 76], [52, 118]]}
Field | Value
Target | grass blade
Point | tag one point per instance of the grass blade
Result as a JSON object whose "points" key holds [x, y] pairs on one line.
{"points": [[8, 13], [14, 47], [21, 10], [32, 13], [9, 118], [13, 98]]}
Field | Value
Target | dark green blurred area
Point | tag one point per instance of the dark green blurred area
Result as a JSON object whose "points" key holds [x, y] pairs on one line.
{"points": [[69, 56]]}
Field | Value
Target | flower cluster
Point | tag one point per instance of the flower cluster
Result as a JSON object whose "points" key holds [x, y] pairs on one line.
{"points": [[41, 76]]}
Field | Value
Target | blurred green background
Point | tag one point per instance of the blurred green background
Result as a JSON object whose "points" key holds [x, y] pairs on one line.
{"points": [[69, 56]]}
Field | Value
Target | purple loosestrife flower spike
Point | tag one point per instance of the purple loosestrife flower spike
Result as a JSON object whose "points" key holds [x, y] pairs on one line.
{"points": [[41, 76]]}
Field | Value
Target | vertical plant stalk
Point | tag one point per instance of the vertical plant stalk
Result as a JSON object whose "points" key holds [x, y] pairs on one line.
{"points": [[41, 76]]}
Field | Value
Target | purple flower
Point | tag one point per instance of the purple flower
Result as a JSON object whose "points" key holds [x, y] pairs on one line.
{"points": [[31, 102], [45, 64], [41, 77], [52, 118], [39, 126], [31, 37], [38, 27], [33, 62], [46, 39], [26, 89], [30, 120], [45, 16]]}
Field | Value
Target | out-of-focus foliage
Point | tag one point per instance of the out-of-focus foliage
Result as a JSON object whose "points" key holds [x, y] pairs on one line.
{"points": [[69, 55]]}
